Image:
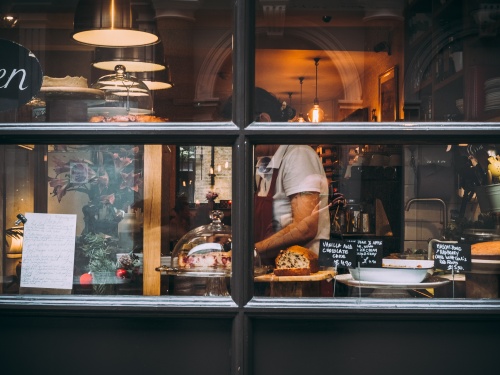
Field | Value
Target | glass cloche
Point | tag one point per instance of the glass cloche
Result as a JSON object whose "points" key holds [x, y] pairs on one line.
{"points": [[205, 250], [124, 95]]}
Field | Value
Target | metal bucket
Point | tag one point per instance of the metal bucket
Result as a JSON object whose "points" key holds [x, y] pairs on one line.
{"points": [[488, 197]]}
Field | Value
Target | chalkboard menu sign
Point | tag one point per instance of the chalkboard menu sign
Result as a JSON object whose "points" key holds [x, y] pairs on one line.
{"points": [[21, 75], [452, 256], [337, 253], [369, 252]]}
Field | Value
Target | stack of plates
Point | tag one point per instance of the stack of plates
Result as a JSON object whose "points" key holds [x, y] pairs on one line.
{"points": [[492, 94]]}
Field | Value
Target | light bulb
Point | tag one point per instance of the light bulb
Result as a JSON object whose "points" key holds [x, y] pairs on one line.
{"points": [[316, 114]]}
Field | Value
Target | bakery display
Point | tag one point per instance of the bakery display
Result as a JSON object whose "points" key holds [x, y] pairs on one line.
{"points": [[67, 81], [486, 250], [128, 118], [205, 250], [296, 261]]}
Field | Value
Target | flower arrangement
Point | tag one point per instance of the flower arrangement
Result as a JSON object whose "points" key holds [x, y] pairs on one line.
{"points": [[211, 196], [111, 177]]}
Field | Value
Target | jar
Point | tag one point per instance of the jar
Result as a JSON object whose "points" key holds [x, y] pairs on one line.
{"points": [[352, 213]]}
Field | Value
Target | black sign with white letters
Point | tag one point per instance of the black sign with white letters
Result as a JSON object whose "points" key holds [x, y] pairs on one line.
{"points": [[21, 75], [452, 256], [337, 253]]}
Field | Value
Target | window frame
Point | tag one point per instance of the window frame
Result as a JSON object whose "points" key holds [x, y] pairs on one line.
{"points": [[242, 134]]}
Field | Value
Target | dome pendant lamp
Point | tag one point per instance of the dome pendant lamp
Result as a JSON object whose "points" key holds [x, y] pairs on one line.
{"points": [[108, 23], [316, 114]]}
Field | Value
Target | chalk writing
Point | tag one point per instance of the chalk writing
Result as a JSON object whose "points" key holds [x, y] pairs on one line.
{"points": [[452, 257], [337, 253]]}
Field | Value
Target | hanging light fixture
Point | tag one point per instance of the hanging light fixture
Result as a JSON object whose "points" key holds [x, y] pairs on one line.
{"points": [[108, 23], [316, 114], [159, 80], [301, 117], [135, 59]]}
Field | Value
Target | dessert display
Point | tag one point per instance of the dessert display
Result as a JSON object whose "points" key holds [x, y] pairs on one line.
{"points": [[205, 250], [128, 118], [296, 261]]}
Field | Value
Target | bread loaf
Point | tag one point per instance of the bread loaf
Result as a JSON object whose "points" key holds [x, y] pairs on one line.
{"points": [[490, 249], [296, 261]]}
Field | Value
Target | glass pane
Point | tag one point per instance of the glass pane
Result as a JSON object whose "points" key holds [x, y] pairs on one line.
{"points": [[96, 219], [418, 60], [377, 220], [48, 76]]}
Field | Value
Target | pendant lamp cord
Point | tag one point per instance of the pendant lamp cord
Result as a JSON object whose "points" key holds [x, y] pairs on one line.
{"points": [[316, 63]]}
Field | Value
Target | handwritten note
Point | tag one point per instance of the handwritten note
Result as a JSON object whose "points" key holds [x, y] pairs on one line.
{"points": [[48, 251], [337, 253], [452, 257]]}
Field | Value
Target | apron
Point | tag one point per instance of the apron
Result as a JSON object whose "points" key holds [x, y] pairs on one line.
{"points": [[263, 216]]}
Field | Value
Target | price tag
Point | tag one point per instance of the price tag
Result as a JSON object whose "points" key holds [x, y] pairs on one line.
{"points": [[337, 253], [452, 256]]}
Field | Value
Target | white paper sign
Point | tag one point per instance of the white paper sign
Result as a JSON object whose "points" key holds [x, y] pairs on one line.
{"points": [[48, 251]]}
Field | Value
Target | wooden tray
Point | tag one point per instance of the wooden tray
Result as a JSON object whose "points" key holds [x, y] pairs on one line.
{"points": [[318, 276]]}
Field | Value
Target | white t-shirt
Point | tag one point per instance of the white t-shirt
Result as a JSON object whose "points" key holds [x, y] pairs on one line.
{"points": [[300, 170]]}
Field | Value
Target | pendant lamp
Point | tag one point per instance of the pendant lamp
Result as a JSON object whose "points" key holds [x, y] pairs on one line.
{"points": [[108, 23], [316, 114], [135, 59], [156, 80], [301, 117]]}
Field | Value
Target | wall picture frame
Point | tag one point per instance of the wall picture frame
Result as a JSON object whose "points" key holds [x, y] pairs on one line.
{"points": [[389, 95]]}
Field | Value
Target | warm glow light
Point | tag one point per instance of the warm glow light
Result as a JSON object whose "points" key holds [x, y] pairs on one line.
{"points": [[108, 23], [226, 165], [219, 168], [316, 114]]}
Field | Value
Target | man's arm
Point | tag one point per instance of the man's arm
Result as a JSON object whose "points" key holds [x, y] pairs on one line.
{"points": [[304, 226]]}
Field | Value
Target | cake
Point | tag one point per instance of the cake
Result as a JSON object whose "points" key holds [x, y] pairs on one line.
{"points": [[296, 261], [67, 81], [486, 250], [205, 260]]}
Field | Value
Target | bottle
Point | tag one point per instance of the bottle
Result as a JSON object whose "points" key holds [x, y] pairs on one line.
{"points": [[352, 216], [128, 231]]}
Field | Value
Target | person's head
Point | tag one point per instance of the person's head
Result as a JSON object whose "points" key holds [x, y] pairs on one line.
{"points": [[267, 107]]}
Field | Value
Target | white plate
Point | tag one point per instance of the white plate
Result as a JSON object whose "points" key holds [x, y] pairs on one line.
{"points": [[407, 263], [390, 275], [433, 282]]}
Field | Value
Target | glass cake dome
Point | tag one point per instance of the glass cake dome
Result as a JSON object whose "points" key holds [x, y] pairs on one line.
{"points": [[205, 250], [124, 95]]}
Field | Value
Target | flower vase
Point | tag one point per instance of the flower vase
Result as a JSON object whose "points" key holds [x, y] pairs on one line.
{"points": [[103, 282], [210, 205]]}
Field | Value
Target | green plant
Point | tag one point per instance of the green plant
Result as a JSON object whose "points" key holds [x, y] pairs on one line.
{"points": [[100, 250]]}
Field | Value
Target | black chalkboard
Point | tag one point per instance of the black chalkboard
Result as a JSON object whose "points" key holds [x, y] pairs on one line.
{"points": [[337, 253], [21, 75], [452, 256], [369, 252]]}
